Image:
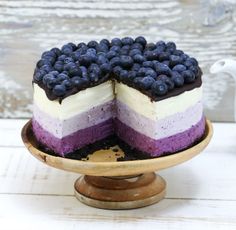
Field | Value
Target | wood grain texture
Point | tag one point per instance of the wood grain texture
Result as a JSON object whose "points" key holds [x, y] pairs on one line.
{"points": [[29, 27]]}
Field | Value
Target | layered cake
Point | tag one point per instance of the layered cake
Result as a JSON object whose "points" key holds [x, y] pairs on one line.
{"points": [[146, 97]]}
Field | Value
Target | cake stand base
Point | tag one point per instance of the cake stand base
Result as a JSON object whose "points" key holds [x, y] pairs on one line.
{"points": [[126, 192]]}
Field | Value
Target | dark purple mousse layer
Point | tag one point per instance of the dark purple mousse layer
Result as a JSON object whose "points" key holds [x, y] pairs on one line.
{"points": [[74, 141], [163, 146]]}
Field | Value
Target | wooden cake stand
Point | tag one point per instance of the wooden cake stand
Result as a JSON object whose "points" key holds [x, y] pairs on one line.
{"points": [[112, 184]]}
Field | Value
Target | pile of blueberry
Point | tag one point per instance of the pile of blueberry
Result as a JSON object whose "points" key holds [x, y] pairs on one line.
{"points": [[153, 67]]}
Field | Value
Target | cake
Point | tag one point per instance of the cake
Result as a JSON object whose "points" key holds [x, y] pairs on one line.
{"points": [[145, 97]]}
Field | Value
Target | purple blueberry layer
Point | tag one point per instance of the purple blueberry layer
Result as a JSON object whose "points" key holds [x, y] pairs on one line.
{"points": [[75, 140], [162, 146]]}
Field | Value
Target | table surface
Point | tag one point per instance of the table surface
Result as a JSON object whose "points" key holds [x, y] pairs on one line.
{"points": [[201, 193]]}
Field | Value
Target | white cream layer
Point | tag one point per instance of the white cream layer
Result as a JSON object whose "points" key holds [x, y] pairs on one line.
{"points": [[74, 104], [142, 104], [135, 100]]}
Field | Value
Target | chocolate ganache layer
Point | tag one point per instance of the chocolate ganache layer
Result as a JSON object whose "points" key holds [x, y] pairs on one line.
{"points": [[159, 70]]}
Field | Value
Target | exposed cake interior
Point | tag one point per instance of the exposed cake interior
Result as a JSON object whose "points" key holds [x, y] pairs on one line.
{"points": [[99, 112]]}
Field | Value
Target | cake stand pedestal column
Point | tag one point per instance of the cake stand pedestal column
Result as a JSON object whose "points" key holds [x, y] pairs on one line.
{"points": [[124, 192]]}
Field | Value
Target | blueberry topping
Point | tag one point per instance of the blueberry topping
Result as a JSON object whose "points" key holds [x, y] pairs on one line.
{"points": [[116, 42], [141, 40], [146, 82], [126, 61], [188, 76], [127, 41], [154, 68], [179, 68], [138, 58], [59, 90], [177, 79], [159, 88]]}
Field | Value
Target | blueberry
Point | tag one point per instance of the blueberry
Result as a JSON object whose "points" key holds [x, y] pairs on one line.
{"points": [[133, 52], [111, 54], [75, 72], [81, 44], [68, 59], [150, 55], [101, 59], [188, 76], [151, 73], [127, 41], [188, 63], [136, 67], [126, 61], [195, 69], [117, 70], [115, 61], [93, 77], [151, 46], [137, 46], [146, 82], [115, 49], [171, 45], [47, 77], [132, 75], [75, 56], [105, 42], [123, 74], [61, 77], [48, 54], [138, 58], [38, 75], [92, 57], [193, 61], [179, 68], [51, 82], [166, 80], [67, 83], [91, 51], [184, 57], [59, 90], [72, 45], [58, 66], [102, 48], [69, 66], [116, 42], [175, 60], [177, 79], [137, 82], [56, 51], [178, 52], [54, 73], [83, 50], [66, 49], [85, 60], [159, 88], [42, 62], [141, 40], [124, 51], [92, 44], [161, 43], [46, 68], [162, 69], [62, 57], [79, 82], [141, 72], [105, 68], [164, 56], [148, 64], [94, 68]]}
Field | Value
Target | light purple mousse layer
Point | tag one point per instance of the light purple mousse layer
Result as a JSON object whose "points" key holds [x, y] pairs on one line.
{"points": [[74, 141], [162, 146], [158, 129], [61, 128]]}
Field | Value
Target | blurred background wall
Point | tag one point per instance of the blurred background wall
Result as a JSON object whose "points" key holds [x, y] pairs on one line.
{"points": [[205, 29]]}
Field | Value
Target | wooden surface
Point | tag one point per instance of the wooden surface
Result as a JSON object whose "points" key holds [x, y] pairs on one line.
{"points": [[29, 27], [201, 193], [99, 167]]}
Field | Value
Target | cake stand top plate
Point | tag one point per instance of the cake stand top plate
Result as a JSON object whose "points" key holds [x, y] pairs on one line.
{"points": [[97, 165]]}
